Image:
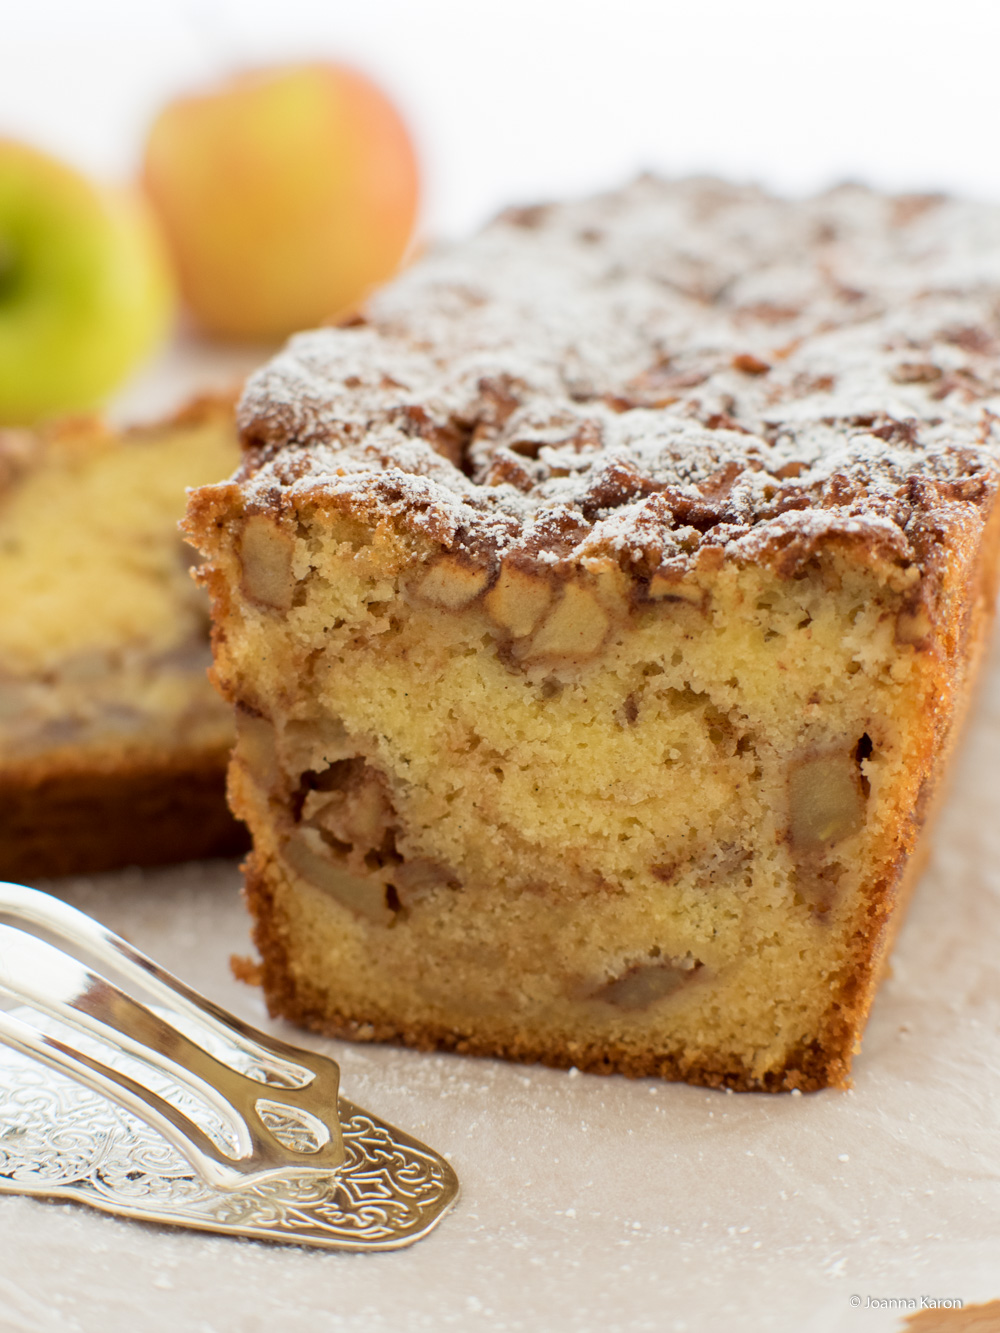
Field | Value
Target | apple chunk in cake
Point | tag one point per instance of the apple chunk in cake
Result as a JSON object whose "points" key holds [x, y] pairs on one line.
{"points": [[583, 727]]}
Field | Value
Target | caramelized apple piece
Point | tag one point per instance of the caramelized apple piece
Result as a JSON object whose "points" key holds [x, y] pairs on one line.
{"points": [[256, 747], [266, 561], [420, 876], [576, 627], [913, 627], [315, 743], [452, 583], [518, 600], [363, 896], [826, 800], [647, 983], [664, 588], [351, 803]]}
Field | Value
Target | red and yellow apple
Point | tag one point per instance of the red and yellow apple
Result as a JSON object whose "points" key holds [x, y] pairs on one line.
{"points": [[286, 195], [85, 286]]}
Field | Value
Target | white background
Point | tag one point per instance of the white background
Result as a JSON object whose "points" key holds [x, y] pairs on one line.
{"points": [[517, 100]]}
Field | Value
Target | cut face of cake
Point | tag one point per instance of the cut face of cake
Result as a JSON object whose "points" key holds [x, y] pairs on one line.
{"points": [[113, 744], [599, 617]]}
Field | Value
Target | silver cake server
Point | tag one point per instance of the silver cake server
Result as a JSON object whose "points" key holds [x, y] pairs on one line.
{"points": [[122, 1088]]}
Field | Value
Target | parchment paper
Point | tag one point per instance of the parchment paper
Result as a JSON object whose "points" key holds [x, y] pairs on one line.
{"points": [[603, 1203]]}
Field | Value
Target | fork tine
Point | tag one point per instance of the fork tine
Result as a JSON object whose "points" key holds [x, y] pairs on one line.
{"points": [[214, 1167], [69, 984], [102, 1009], [84, 939]]}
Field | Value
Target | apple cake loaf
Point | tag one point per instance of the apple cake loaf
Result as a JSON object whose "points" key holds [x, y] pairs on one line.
{"points": [[599, 613], [113, 744]]}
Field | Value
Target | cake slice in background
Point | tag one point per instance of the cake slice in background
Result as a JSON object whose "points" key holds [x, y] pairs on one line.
{"points": [[600, 617], [113, 744]]}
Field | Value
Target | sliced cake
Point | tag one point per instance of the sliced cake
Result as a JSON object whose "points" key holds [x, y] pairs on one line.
{"points": [[599, 616], [113, 744]]}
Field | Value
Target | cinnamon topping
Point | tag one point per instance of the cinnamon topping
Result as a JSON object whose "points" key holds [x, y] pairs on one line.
{"points": [[665, 368]]}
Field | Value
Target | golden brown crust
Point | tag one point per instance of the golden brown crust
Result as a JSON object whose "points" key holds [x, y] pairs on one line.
{"points": [[959, 648], [82, 817]]}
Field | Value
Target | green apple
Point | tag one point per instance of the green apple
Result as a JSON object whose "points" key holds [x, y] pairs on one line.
{"points": [[85, 287]]}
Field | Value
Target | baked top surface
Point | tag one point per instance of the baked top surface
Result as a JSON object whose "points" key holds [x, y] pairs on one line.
{"points": [[656, 370]]}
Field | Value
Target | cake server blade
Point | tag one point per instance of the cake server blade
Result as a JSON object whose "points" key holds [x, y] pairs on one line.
{"points": [[122, 1088]]}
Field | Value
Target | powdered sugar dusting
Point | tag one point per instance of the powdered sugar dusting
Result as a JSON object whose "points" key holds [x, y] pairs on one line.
{"points": [[666, 367]]}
